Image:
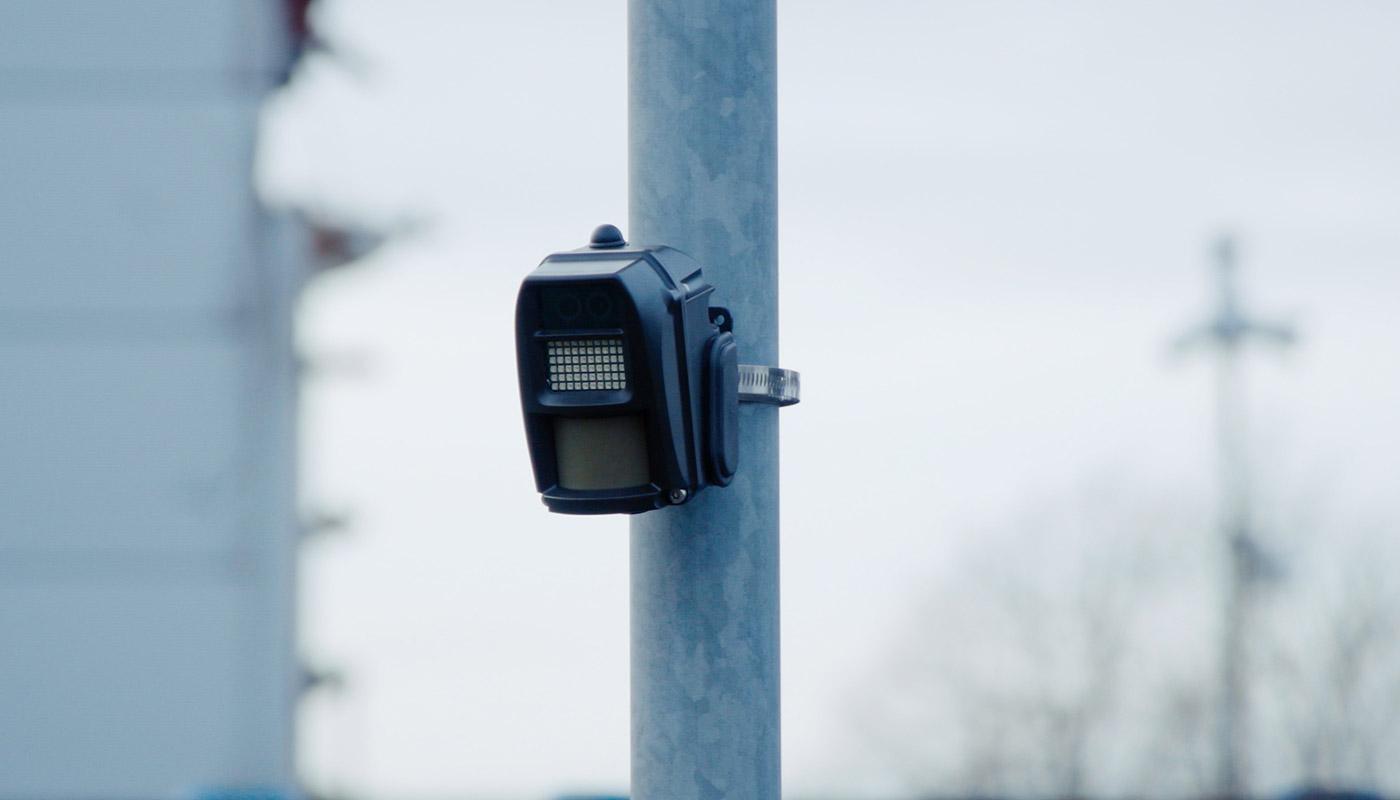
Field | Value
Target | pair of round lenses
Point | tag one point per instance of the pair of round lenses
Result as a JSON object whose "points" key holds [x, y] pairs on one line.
{"points": [[597, 304]]}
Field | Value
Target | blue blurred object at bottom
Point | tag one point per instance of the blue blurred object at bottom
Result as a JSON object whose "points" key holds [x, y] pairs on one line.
{"points": [[247, 793], [1319, 793]]}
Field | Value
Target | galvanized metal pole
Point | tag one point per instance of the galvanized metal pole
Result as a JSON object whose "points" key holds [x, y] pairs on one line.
{"points": [[1233, 733], [703, 164]]}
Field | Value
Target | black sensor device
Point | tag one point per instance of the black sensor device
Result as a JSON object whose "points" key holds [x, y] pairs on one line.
{"points": [[628, 378]]}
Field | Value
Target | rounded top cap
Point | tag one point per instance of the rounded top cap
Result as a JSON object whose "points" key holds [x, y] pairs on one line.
{"points": [[605, 236]]}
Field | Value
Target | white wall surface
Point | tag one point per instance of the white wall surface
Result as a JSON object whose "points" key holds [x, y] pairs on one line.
{"points": [[147, 390]]}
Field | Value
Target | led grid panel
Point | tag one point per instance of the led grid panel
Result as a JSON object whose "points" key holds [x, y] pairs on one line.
{"points": [[580, 365]]}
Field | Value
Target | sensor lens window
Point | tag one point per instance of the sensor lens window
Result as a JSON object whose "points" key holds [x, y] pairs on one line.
{"points": [[582, 365], [580, 307], [601, 452]]}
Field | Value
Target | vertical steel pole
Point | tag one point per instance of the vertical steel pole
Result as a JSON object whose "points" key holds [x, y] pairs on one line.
{"points": [[1235, 530], [703, 178]]}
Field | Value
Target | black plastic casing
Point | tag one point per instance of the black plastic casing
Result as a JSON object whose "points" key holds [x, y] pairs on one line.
{"points": [[682, 374]]}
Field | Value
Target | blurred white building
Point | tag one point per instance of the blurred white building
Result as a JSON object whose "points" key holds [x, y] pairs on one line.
{"points": [[147, 403]]}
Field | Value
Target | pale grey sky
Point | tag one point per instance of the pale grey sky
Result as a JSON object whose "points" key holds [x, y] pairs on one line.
{"points": [[993, 217]]}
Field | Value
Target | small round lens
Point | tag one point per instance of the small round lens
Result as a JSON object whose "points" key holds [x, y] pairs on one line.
{"points": [[568, 307], [600, 306]]}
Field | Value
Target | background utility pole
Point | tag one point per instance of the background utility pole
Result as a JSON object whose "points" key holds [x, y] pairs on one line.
{"points": [[703, 164], [1225, 334]]}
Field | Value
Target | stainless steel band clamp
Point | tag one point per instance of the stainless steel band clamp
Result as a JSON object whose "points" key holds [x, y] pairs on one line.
{"points": [[771, 385]]}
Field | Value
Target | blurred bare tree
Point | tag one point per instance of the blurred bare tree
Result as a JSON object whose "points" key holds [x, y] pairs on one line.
{"points": [[1070, 654], [1330, 659], [1020, 680]]}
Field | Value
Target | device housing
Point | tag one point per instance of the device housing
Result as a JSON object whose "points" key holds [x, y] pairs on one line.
{"points": [[628, 379]]}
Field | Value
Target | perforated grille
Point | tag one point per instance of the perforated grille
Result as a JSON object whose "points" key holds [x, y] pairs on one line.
{"points": [[577, 365]]}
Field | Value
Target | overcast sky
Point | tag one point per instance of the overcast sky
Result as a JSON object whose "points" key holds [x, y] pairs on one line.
{"points": [[993, 217]]}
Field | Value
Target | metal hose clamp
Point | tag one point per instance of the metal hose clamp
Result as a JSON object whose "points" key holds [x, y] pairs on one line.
{"points": [[771, 385]]}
